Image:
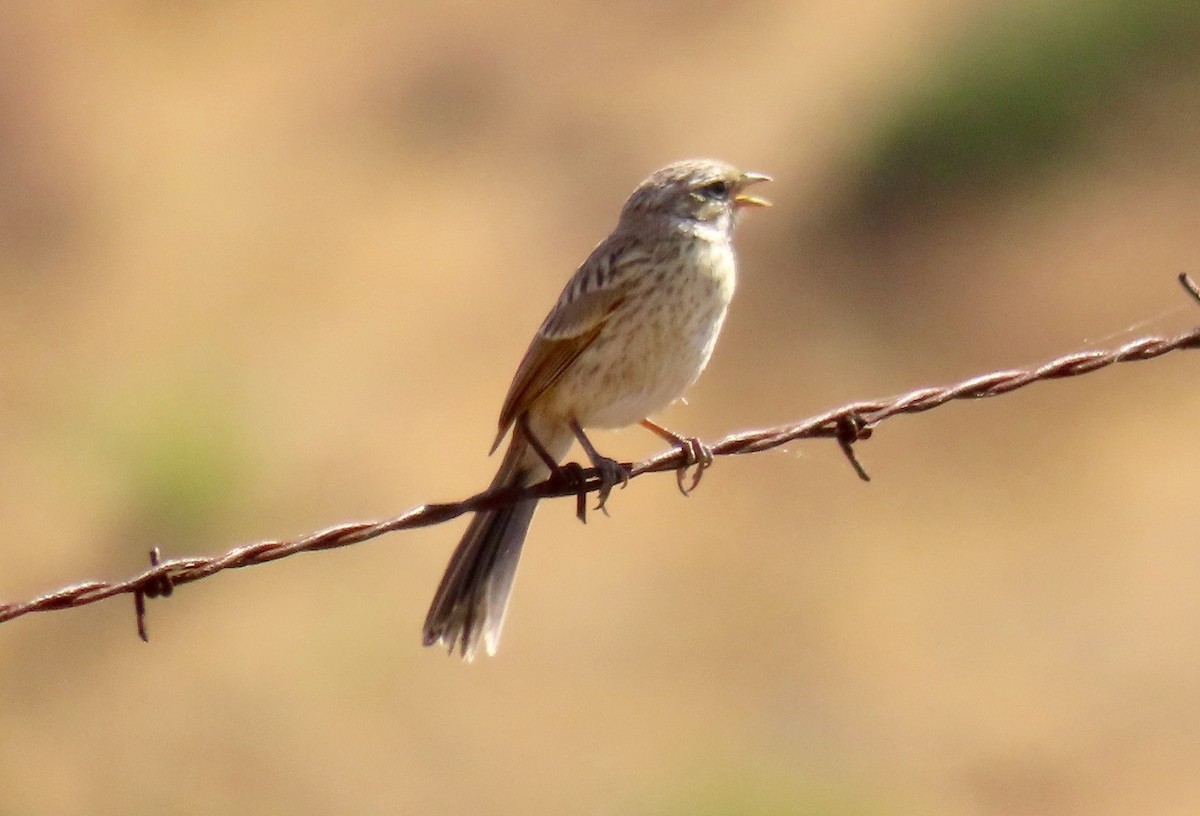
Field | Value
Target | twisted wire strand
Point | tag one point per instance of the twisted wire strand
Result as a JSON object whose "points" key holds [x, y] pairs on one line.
{"points": [[848, 424]]}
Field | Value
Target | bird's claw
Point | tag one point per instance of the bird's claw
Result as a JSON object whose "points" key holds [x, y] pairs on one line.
{"points": [[611, 473], [697, 455]]}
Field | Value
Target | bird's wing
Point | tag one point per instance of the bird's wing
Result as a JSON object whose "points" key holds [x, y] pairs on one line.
{"points": [[595, 291]]}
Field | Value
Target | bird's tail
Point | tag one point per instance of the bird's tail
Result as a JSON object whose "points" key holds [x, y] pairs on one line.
{"points": [[473, 596]]}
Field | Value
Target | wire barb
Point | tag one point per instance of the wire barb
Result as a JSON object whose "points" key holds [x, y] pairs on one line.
{"points": [[850, 429], [1190, 286], [847, 425], [156, 585]]}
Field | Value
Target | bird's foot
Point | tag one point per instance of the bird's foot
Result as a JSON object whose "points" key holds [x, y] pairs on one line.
{"points": [[697, 455], [611, 473]]}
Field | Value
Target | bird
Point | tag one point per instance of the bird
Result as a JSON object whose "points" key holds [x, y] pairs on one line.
{"points": [[633, 328]]}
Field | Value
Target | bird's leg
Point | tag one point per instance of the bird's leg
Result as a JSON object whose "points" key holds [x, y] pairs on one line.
{"points": [[570, 473], [611, 471], [538, 447], [696, 452]]}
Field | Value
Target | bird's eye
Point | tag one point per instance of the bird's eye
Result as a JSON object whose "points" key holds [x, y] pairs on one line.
{"points": [[715, 189]]}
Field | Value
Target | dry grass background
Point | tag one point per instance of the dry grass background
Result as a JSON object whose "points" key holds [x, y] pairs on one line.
{"points": [[269, 266]]}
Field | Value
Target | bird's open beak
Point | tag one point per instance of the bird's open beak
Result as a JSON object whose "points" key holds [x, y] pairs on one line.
{"points": [[742, 200]]}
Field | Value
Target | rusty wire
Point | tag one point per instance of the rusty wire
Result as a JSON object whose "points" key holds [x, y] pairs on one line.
{"points": [[847, 425]]}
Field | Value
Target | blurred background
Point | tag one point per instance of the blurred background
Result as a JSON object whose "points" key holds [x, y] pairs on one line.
{"points": [[265, 267]]}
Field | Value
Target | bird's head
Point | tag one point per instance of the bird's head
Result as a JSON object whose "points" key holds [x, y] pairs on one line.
{"points": [[700, 190]]}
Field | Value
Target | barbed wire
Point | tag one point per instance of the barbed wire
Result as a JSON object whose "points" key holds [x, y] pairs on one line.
{"points": [[847, 425]]}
